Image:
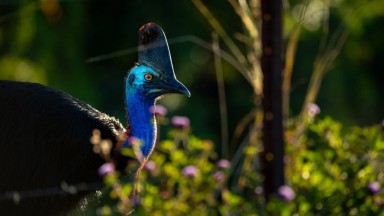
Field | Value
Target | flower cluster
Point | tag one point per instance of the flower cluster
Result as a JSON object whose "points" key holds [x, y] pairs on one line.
{"points": [[286, 193], [313, 110], [180, 122], [374, 187], [158, 110], [106, 169], [190, 171], [192, 175]]}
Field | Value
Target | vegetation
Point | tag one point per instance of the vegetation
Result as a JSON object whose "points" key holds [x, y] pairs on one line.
{"points": [[333, 52], [335, 171]]}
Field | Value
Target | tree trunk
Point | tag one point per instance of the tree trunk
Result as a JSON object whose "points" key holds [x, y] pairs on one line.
{"points": [[271, 64]]}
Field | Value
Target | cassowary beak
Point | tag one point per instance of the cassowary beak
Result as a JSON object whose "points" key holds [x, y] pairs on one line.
{"points": [[177, 87], [172, 86]]}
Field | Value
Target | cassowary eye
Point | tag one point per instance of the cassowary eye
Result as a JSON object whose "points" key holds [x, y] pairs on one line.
{"points": [[148, 77]]}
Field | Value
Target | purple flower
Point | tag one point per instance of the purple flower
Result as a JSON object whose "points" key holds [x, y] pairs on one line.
{"points": [[106, 169], [223, 164], [286, 193], [190, 171], [219, 176], [313, 110], [259, 190], [180, 122], [158, 110], [150, 166], [374, 187], [134, 140]]}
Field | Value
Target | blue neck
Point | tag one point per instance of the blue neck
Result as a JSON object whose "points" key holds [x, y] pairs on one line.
{"points": [[142, 123]]}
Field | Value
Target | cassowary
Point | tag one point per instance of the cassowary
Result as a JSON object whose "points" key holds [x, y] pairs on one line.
{"points": [[45, 133]]}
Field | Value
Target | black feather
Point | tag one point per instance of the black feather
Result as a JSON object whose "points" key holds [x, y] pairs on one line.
{"points": [[44, 142]]}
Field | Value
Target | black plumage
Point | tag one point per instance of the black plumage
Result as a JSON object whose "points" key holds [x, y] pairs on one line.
{"points": [[50, 149]]}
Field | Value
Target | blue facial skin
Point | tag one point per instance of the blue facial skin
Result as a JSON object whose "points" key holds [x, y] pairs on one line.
{"points": [[143, 86]]}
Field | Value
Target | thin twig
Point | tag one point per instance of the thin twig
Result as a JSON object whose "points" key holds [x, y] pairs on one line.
{"points": [[321, 66], [243, 11], [325, 30], [288, 69], [222, 97], [236, 162], [240, 127], [290, 57], [223, 34]]}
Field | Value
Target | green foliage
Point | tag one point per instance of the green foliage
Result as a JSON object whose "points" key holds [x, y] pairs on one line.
{"points": [[15, 68], [330, 171]]}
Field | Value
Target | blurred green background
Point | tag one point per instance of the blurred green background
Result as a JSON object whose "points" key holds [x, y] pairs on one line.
{"points": [[84, 47]]}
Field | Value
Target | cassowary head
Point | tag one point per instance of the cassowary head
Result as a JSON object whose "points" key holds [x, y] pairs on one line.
{"points": [[150, 78], [153, 75]]}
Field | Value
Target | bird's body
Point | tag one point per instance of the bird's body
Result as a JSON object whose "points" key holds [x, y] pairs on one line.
{"points": [[47, 147], [45, 133]]}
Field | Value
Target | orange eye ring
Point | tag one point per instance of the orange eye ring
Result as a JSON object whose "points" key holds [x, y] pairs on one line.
{"points": [[148, 76]]}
